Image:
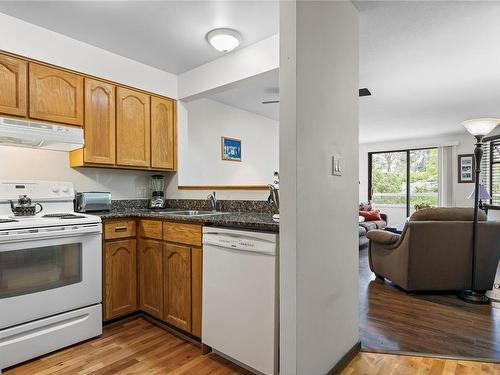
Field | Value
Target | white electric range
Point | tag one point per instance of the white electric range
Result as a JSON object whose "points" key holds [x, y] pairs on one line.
{"points": [[50, 272]]}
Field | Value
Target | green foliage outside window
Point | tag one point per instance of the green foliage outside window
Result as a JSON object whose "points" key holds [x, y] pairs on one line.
{"points": [[389, 182]]}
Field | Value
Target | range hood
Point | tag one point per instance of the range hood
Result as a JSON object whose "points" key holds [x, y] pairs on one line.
{"points": [[25, 133]]}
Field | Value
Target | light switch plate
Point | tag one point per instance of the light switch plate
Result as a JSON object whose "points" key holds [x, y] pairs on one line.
{"points": [[337, 167]]}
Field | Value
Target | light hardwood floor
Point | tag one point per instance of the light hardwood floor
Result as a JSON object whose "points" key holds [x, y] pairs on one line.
{"points": [[139, 347], [388, 364], [134, 347]]}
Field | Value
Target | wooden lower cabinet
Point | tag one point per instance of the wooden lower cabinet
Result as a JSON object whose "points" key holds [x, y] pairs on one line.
{"points": [[196, 290], [120, 278], [151, 277], [168, 285], [177, 285]]}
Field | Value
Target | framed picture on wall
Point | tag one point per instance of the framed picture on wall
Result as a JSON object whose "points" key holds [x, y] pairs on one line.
{"points": [[466, 168], [231, 149]]}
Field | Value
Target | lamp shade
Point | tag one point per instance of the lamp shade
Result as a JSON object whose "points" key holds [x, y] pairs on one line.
{"points": [[483, 193], [481, 126]]}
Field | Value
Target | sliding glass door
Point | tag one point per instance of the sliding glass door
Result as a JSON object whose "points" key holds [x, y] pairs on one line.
{"points": [[399, 182], [424, 181]]}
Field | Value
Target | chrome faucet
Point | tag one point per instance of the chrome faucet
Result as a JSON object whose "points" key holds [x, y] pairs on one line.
{"points": [[213, 201]]}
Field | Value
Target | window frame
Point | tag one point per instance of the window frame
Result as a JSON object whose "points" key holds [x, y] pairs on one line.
{"points": [[489, 141], [408, 170]]}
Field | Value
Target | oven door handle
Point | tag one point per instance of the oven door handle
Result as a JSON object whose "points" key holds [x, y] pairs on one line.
{"points": [[22, 235]]}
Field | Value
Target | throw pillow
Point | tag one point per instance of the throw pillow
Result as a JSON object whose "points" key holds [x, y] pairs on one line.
{"points": [[366, 206], [370, 215]]}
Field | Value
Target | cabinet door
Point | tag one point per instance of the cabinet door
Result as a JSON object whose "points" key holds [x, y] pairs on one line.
{"points": [[162, 133], [132, 128], [196, 288], [13, 86], [55, 95], [177, 286], [99, 122], [151, 277], [120, 278]]}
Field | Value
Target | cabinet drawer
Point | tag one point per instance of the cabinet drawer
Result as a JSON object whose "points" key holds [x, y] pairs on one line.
{"points": [[119, 229], [189, 234], [151, 229]]}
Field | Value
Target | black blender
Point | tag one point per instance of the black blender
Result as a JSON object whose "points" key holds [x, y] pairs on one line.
{"points": [[158, 196]]}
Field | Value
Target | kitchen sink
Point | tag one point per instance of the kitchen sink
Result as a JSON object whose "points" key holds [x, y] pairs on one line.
{"points": [[194, 213]]}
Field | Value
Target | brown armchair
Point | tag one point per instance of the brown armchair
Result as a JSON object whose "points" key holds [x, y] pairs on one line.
{"points": [[434, 252]]}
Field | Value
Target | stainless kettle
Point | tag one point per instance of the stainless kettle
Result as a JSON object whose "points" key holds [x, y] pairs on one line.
{"points": [[24, 207]]}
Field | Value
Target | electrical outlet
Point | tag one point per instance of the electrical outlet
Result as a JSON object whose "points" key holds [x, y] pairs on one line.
{"points": [[140, 192], [337, 167]]}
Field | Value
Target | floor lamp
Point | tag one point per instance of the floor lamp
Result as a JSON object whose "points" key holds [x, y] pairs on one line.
{"points": [[479, 128]]}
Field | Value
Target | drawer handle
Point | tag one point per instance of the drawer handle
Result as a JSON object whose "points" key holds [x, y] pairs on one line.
{"points": [[121, 229]]}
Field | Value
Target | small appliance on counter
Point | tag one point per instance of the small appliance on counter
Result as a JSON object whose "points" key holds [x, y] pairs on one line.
{"points": [[93, 201], [158, 196]]}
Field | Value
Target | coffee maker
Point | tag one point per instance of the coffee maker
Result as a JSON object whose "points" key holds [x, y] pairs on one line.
{"points": [[158, 196]]}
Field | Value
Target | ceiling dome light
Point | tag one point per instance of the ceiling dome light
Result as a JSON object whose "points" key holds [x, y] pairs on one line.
{"points": [[224, 40]]}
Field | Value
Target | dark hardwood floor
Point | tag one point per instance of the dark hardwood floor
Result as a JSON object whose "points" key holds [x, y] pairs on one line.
{"points": [[394, 321]]}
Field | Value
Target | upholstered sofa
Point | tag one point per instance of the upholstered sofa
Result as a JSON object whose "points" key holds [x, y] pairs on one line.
{"points": [[434, 252], [366, 226]]}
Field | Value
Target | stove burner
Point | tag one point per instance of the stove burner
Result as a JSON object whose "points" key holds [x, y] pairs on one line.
{"points": [[8, 221], [64, 216]]}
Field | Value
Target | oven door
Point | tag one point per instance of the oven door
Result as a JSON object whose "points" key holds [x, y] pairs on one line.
{"points": [[48, 271]]}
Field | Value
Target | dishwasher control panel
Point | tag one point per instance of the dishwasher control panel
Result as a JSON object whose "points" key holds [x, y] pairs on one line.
{"points": [[237, 243], [242, 241]]}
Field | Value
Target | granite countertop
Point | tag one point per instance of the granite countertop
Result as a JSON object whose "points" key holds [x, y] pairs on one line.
{"points": [[242, 220]]}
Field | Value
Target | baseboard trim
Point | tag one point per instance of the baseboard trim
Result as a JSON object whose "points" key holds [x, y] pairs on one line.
{"points": [[346, 359]]}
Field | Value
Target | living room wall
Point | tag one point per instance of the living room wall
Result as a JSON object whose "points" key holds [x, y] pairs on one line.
{"points": [[460, 143]]}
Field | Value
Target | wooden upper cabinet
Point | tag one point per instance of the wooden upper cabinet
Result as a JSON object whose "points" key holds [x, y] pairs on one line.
{"points": [[151, 277], [99, 122], [120, 278], [177, 286], [133, 131], [162, 133], [13, 86], [55, 95]]}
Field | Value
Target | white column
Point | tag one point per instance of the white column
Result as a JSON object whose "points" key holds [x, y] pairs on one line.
{"points": [[318, 229]]}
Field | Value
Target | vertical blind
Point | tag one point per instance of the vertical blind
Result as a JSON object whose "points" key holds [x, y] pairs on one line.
{"points": [[490, 170]]}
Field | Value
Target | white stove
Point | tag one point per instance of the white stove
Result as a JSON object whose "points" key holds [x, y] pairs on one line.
{"points": [[50, 272]]}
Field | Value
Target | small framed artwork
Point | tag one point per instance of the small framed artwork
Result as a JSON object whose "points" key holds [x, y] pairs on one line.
{"points": [[466, 168], [230, 149]]}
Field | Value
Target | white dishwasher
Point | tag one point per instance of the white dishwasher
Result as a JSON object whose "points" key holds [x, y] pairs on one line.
{"points": [[240, 298]]}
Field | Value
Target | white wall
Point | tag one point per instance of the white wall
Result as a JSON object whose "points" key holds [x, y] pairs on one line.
{"points": [[41, 44], [35, 42], [247, 62], [463, 144], [208, 120], [31, 164], [318, 230]]}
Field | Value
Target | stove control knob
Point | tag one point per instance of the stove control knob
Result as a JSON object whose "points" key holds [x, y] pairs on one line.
{"points": [[65, 189], [55, 189]]}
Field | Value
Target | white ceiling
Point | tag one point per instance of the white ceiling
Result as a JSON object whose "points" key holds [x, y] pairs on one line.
{"points": [[169, 35], [429, 66], [249, 95]]}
